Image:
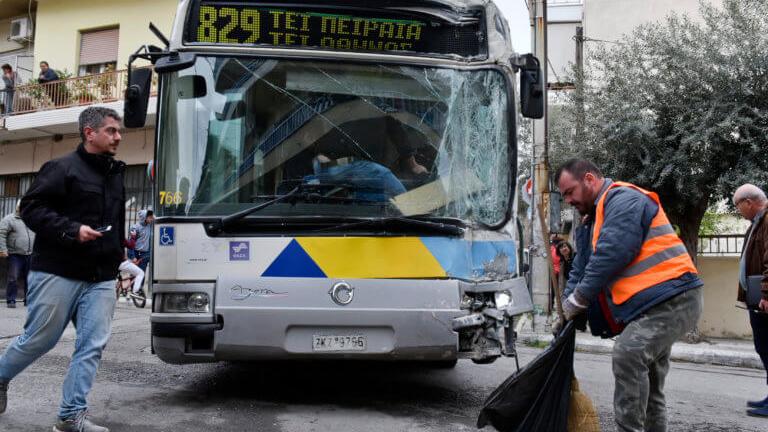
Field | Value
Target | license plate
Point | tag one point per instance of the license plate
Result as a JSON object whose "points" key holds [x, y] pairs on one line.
{"points": [[338, 343]]}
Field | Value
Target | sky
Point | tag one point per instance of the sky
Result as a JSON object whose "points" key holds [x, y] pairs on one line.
{"points": [[519, 23]]}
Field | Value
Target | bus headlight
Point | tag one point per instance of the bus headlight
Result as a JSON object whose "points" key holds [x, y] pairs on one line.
{"points": [[185, 303], [198, 303], [503, 299]]}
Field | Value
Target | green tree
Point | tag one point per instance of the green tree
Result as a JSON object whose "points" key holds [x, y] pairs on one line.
{"points": [[679, 107]]}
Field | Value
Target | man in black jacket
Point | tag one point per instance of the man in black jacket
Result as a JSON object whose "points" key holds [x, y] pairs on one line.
{"points": [[77, 208]]}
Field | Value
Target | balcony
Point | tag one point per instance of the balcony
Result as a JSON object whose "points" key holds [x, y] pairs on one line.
{"points": [[71, 92], [52, 109]]}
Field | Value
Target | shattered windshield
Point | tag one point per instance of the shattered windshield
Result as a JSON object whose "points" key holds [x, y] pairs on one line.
{"points": [[356, 140]]}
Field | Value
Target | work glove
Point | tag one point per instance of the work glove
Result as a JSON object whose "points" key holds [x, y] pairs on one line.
{"points": [[557, 325], [574, 305]]}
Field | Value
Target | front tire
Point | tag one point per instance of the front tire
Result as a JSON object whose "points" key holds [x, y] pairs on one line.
{"points": [[140, 302]]}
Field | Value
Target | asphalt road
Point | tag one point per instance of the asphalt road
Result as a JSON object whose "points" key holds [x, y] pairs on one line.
{"points": [[136, 391]]}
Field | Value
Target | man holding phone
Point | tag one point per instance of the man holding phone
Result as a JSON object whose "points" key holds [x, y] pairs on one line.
{"points": [[76, 205], [752, 204]]}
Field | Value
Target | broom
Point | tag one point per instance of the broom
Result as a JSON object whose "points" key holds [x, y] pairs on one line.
{"points": [[582, 415]]}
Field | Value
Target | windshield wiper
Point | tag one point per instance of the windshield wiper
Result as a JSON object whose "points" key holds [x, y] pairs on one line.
{"points": [[226, 221], [392, 222], [308, 192]]}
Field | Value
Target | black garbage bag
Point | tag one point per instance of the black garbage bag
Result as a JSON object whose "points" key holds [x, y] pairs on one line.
{"points": [[535, 398]]}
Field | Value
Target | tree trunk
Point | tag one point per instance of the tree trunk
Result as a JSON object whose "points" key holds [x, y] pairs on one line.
{"points": [[689, 223]]}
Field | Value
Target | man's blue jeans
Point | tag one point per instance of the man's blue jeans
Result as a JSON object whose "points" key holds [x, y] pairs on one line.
{"points": [[18, 267], [372, 181], [54, 301]]}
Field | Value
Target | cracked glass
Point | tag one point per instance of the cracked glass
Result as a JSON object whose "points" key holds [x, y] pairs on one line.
{"points": [[348, 140]]}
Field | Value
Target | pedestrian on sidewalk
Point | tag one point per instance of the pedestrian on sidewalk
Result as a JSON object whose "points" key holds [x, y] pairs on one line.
{"points": [[635, 273], [70, 205], [16, 240], [142, 231], [752, 203], [566, 255]]}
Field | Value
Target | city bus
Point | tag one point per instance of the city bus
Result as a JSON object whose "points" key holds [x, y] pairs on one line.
{"points": [[336, 180]]}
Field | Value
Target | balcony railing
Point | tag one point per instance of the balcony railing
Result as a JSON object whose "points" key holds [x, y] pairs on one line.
{"points": [[70, 92]]}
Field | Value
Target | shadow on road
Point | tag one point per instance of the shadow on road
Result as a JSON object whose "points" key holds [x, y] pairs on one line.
{"points": [[349, 384], [397, 388]]}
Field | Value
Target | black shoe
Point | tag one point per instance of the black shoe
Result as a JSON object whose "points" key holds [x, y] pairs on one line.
{"points": [[758, 404], [758, 412], [3, 396], [12, 305]]}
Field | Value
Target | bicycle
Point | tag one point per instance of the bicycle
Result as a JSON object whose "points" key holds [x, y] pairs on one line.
{"points": [[124, 287]]}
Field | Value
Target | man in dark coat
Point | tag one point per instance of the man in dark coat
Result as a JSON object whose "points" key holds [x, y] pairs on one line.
{"points": [[76, 205], [751, 202]]}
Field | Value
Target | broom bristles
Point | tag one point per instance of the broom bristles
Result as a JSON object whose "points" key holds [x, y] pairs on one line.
{"points": [[582, 415]]}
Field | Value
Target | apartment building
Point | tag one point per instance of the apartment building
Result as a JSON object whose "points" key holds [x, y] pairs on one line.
{"points": [[88, 42]]}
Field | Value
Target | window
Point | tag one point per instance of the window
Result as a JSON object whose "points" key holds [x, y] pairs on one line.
{"points": [[12, 188], [98, 51]]}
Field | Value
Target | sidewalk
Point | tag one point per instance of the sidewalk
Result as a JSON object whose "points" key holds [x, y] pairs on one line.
{"points": [[721, 352]]}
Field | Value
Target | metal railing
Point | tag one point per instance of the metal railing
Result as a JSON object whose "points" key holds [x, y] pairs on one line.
{"points": [[70, 92], [720, 245]]}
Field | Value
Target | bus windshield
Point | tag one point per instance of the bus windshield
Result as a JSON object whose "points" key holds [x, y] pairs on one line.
{"points": [[358, 140]]}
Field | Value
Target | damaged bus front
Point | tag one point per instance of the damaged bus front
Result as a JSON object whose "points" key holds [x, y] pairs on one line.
{"points": [[336, 180]]}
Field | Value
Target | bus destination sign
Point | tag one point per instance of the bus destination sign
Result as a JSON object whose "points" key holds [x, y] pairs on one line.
{"points": [[239, 24]]}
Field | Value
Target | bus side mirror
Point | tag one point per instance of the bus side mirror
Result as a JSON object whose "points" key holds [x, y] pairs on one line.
{"points": [[137, 97], [531, 87]]}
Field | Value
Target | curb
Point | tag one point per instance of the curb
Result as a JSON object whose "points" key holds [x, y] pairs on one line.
{"points": [[704, 353]]}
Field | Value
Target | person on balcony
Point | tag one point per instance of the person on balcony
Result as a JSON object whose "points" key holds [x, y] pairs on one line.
{"points": [[46, 73], [10, 79], [47, 76]]}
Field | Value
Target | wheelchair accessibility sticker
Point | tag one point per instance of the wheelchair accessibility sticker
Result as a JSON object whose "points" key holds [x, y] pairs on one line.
{"points": [[167, 236]]}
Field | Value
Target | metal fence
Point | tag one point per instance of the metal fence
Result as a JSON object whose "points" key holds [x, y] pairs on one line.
{"points": [[720, 245], [138, 192], [70, 92]]}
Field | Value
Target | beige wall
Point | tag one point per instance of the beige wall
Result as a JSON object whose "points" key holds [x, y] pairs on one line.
{"points": [[720, 317], [29, 156], [59, 23], [610, 19]]}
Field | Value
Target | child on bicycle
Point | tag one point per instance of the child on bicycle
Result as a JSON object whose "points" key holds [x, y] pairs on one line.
{"points": [[129, 265]]}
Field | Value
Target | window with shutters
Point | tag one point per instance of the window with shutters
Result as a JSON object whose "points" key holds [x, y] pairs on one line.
{"points": [[98, 51]]}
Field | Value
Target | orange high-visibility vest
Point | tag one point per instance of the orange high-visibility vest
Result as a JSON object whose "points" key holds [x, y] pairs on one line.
{"points": [[662, 257]]}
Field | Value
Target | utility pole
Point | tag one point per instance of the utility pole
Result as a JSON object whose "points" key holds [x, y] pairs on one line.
{"points": [[580, 117], [540, 265]]}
